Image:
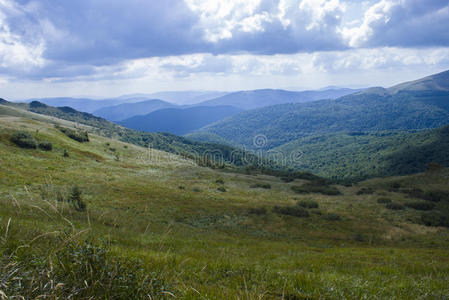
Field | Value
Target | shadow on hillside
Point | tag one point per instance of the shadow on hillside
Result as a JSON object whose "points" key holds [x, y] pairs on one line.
{"points": [[414, 159]]}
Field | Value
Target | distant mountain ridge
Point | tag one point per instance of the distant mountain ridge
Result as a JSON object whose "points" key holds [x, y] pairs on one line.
{"points": [[126, 110], [266, 97], [179, 120]]}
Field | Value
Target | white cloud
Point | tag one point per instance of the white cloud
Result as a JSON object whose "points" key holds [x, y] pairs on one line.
{"points": [[378, 14], [16, 54]]}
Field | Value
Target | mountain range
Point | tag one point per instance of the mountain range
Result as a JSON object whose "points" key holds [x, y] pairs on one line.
{"points": [[322, 132], [179, 120]]}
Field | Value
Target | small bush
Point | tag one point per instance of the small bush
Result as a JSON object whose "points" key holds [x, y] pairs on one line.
{"points": [[65, 154], [181, 187], [434, 219], [75, 199], [384, 200], [365, 191], [46, 146], [221, 189], [287, 179], [261, 186], [257, 211], [196, 190], [414, 193], [421, 205], [359, 237], [295, 211], [24, 139], [77, 135], [395, 206], [316, 188], [308, 203], [332, 217], [436, 196], [395, 186], [219, 181]]}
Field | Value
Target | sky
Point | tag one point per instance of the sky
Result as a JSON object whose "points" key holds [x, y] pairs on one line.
{"points": [[107, 48]]}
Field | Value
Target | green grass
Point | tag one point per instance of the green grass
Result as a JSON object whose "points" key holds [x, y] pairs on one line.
{"points": [[198, 242]]}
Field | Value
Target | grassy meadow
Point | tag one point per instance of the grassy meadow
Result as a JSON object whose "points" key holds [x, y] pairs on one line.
{"points": [[157, 226]]}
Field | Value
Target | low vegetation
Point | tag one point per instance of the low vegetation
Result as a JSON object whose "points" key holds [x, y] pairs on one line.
{"points": [[24, 139], [77, 135], [314, 187]]}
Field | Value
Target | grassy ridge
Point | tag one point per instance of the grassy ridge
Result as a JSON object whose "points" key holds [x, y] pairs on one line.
{"points": [[195, 241]]}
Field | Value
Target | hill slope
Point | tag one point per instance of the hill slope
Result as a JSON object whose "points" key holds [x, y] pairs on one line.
{"points": [[80, 104], [201, 152], [359, 155], [179, 121], [126, 110], [261, 98]]}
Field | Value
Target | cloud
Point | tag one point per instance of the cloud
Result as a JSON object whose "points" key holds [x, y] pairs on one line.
{"points": [[403, 23], [18, 52], [106, 39]]}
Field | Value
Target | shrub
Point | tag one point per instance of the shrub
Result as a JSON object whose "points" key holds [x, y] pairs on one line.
{"points": [[257, 211], [66, 154], [219, 181], [77, 135], [24, 139], [221, 189], [436, 196], [47, 146], [365, 191], [287, 179], [181, 187], [414, 193], [434, 167], [196, 190], [384, 200], [308, 203], [295, 211], [359, 237], [75, 199], [434, 219], [332, 217], [315, 188], [395, 186], [421, 205], [395, 206], [261, 185]]}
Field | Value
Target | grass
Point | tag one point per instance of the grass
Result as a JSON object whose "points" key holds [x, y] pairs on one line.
{"points": [[198, 242]]}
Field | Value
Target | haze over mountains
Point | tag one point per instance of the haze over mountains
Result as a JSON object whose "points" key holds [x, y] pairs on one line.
{"points": [[127, 110], [178, 120], [267, 97]]}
